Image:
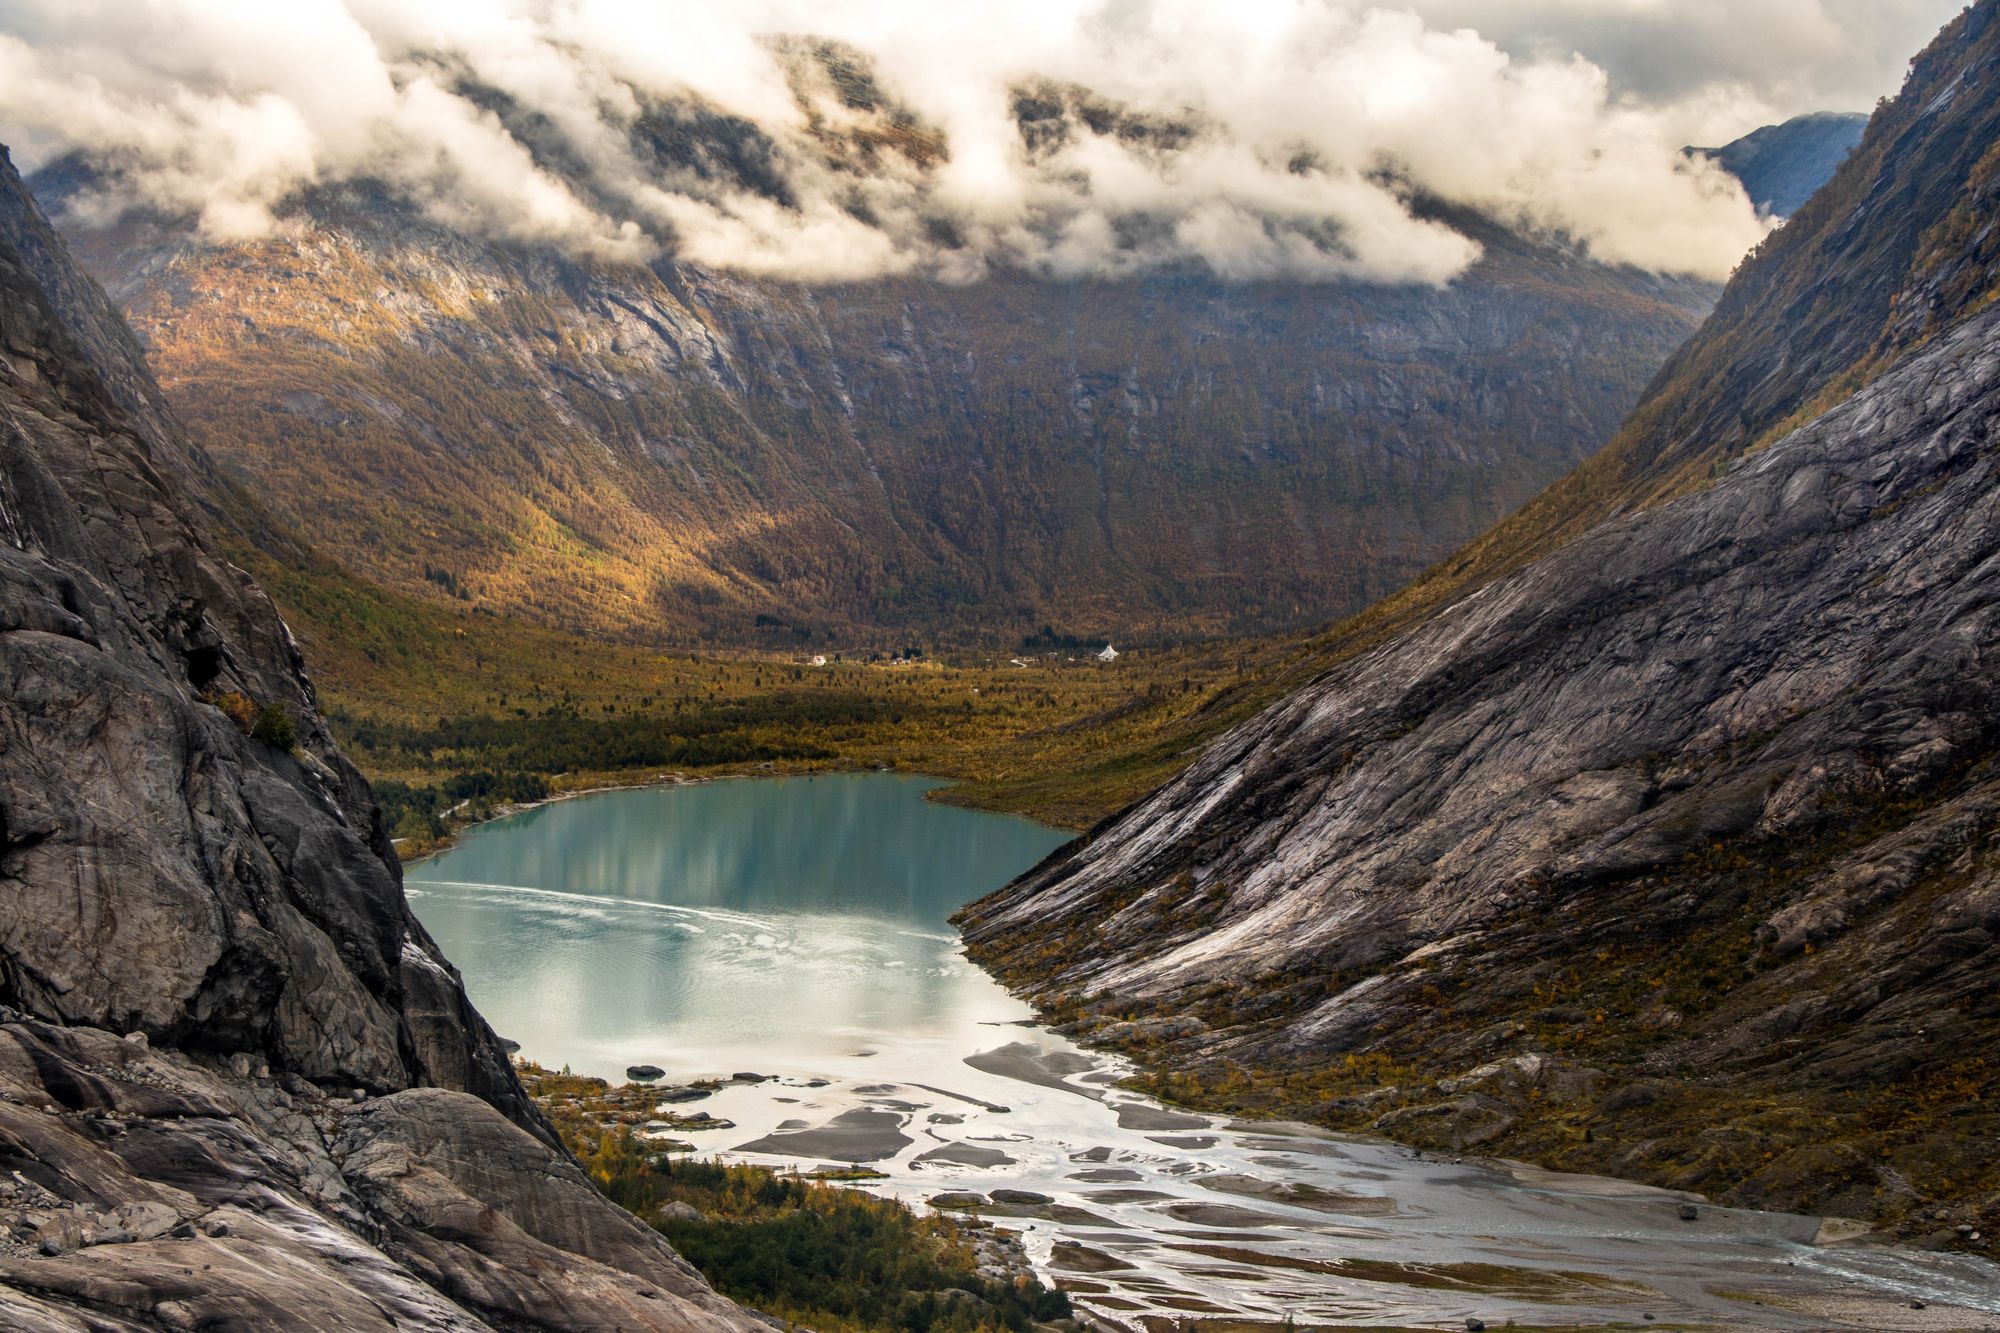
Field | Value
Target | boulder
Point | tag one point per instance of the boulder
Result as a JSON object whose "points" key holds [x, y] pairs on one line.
{"points": [[957, 1199]]}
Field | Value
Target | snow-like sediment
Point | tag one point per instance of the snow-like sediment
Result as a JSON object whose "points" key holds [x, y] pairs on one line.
{"points": [[1155, 1212]]}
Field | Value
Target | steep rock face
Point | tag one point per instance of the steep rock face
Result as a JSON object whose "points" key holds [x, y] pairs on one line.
{"points": [[663, 450], [1697, 807], [166, 872], [223, 894], [1891, 252], [1814, 629], [1782, 166], [1707, 795]]}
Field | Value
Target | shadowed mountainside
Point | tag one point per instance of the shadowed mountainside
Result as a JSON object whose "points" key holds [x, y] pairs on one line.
{"points": [[663, 452], [1782, 166]]}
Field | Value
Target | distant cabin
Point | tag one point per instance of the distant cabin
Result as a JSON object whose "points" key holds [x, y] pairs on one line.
{"points": [[1109, 654]]}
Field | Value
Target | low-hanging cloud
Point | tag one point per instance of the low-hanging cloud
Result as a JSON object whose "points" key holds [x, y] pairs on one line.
{"points": [[1263, 139]]}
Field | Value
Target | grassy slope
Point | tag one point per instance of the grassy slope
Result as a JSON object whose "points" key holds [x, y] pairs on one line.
{"points": [[420, 692]]}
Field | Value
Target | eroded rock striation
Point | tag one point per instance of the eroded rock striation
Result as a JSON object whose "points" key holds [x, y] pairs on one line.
{"points": [[1815, 628], [239, 1086], [1673, 850]]}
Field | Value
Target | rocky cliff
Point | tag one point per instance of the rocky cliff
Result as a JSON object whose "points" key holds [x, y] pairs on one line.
{"points": [[239, 1087], [1781, 166], [1664, 837], [664, 451]]}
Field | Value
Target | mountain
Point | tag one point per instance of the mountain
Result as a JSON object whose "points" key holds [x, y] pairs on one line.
{"points": [[1655, 831], [662, 452], [1781, 166], [239, 1086]]}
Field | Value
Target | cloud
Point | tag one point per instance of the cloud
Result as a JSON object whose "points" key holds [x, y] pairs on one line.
{"points": [[838, 142], [1787, 56]]}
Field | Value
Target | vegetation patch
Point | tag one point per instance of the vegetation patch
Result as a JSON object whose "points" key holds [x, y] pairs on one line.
{"points": [[422, 694], [800, 1249]]}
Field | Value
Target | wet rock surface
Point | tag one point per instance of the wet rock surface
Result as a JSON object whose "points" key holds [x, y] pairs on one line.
{"points": [[239, 1086]]}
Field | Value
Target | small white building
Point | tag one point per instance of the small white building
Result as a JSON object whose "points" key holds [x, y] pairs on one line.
{"points": [[1109, 654]]}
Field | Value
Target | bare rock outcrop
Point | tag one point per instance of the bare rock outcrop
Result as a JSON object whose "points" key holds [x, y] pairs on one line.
{"points": [[1815, 629], [239, 1086], [147, 1188]]}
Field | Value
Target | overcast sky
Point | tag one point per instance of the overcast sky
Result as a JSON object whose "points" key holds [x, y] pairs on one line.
{"points": [[1785, 56], [1315, 122]]}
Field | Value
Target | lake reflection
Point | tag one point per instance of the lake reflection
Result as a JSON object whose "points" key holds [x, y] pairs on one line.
{"points": [[726, 923]]}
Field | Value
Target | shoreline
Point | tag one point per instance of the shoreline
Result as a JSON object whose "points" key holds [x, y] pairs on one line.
{"points": [[1145, 1063], [1109, 1205], [1150, 1073], [1131, 1205], [680, 778], [450, 840]]}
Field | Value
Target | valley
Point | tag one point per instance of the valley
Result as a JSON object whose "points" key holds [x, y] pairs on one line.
{"points": [[1135, 668], [420, 695], [1562, 854], [663, 454]]}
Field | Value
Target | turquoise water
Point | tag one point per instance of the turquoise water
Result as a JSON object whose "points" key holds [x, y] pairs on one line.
{"points": [[787, 922]]}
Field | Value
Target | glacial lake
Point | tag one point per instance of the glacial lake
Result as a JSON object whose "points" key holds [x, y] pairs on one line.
{"points": [[797, 929], [795, 919]]}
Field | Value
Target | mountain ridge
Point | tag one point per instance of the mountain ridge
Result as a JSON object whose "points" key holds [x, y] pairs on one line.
{"points": [[1783, 165]]}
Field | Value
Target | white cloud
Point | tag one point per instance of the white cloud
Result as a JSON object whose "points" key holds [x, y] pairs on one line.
{"points": [[1306, 129], [1786, 56]]}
